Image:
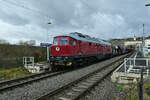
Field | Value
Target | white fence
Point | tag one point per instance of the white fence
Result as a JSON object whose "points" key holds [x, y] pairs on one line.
{"points": [[134, 65], [35, 67], [28, 61]]}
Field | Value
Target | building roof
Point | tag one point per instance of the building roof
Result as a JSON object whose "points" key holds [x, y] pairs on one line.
{"points": [[79, 36]]}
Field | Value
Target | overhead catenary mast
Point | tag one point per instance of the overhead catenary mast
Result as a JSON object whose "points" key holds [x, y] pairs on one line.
{"points": [[143, 36]]}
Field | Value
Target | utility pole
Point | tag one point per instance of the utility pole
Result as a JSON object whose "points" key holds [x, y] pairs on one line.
{"points": [[143, 43], [48, 41], [141, 86], [143, 36]]}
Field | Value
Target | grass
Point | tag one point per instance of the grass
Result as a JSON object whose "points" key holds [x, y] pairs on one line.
{"points": [[12, 73], [119, 88], [126, 88], [147, 90], [134, 94]]}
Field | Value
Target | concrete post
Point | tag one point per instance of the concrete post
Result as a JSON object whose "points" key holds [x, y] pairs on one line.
{"points": [[47, 53]]}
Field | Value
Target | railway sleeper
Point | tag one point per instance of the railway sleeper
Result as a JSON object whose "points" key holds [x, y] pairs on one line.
{"points": [[83, 85], [63, 98]]}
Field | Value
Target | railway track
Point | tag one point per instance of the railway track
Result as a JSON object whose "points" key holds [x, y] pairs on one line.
{"points": [[78, 88], [10, 84]]}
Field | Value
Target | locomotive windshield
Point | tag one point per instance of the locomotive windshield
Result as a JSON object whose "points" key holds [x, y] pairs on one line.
{"points": [[55, 42], [64, 41]]}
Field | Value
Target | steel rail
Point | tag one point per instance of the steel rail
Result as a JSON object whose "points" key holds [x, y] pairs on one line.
{"points": [[27, 80], [3, 83], [11, 84], [63, 88]]}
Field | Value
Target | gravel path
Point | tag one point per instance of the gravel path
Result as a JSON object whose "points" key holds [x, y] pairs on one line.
{"points": [[35, 90]]}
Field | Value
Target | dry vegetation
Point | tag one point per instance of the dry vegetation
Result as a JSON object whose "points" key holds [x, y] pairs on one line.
{"points": [[131, 91], [11, 55], [12, 73], [11, 59]]}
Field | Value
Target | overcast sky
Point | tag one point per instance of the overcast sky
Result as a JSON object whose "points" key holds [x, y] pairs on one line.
{"points": [[106, 19]]}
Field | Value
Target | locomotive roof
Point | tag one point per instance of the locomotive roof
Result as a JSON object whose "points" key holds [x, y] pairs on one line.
{"points": [[79, 36]]}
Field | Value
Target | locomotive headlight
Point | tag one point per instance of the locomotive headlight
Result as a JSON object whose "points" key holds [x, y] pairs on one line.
{"points": [[66, 57], [57, 48], [52, 57]]}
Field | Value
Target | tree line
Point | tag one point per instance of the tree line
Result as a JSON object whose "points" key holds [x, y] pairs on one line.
{"points": [[12, 55]]}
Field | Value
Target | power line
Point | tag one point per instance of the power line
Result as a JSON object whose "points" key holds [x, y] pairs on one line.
{"points": [[24, 7]]}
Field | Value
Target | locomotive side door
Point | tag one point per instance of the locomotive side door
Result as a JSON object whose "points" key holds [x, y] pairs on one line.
{"points": [[73, 44], [80, 48]]}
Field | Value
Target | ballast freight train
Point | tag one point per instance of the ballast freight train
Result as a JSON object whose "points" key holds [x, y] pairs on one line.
{"points": [[74, 49]]}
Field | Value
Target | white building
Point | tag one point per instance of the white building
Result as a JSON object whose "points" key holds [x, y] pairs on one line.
{"points": [[147, 44]]}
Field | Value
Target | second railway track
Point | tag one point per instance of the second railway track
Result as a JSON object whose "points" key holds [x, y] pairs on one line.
{"points": [[78, 88], [10, 84], [31, 88]]}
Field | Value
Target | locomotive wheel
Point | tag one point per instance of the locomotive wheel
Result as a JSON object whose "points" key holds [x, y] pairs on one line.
{"points": [[75, 64], [88, 61]]}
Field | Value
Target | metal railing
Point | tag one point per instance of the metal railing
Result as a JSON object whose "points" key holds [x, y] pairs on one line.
{"points": [[134, 65], [28, 61]]}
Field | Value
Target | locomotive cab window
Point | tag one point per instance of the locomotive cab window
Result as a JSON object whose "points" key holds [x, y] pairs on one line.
{"points": [[73, 42], [79, 42], [55, 42], [90, 44], [64, 41]]}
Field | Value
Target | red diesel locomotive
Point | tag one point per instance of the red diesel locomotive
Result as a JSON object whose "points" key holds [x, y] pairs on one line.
{"points": [[76, 48]]}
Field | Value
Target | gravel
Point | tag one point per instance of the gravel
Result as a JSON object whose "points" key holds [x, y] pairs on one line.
{"points": [[106, 90], [37, 89], [103, 91]]}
